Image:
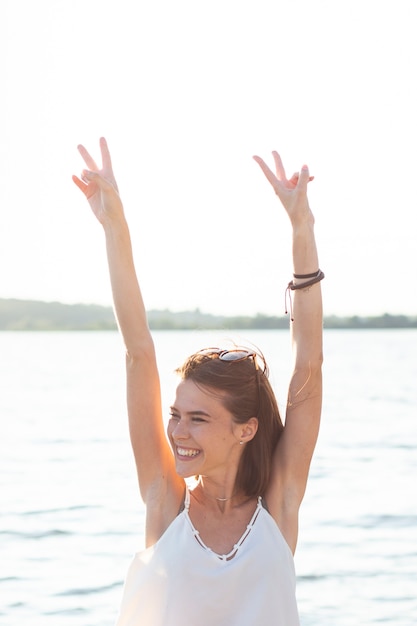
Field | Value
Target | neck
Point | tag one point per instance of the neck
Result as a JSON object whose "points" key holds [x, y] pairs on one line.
{"points": [[210, 490], [209, 495]]}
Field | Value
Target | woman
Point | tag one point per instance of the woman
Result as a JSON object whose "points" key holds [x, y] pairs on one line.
{"points": [[221, 553]]}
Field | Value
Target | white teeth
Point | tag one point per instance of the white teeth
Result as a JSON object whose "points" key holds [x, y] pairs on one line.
{"points": [[183, 452]]}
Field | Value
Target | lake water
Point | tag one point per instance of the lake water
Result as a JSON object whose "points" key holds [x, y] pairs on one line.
{"points": [[71, 516]]}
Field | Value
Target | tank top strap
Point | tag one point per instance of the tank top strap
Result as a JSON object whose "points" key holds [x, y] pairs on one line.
{"points": [[263, 503], [187, 498]]}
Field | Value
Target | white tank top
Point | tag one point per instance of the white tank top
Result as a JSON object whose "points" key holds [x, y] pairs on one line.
{"points": [[181, 582]]}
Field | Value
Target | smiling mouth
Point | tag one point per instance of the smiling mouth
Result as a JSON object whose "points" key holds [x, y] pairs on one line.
{"points": [[187, 453]]}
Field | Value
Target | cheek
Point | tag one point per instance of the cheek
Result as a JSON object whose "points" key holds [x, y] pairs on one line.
{"points": [[170, 427]]}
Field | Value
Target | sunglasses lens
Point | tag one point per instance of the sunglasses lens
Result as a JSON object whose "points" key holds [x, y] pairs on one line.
{"points": [[235, 355]]}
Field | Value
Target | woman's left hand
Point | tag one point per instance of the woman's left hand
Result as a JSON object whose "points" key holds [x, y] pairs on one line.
{"points": [[292, 192]]}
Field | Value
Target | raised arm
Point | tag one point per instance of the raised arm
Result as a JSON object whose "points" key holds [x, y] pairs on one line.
{"points": [[153, 456], [296, 446]]}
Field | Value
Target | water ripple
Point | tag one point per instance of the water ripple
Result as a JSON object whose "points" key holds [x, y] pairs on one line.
{"points": [[89, 590]]}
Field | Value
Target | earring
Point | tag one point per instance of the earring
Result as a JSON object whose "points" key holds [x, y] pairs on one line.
{"points": [[241, 443]]}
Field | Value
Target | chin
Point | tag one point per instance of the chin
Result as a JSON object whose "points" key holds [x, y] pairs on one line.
{"points": [[186, 473]]}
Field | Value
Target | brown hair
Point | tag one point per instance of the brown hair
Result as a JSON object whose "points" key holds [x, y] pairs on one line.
{"points": [[245, 392]]}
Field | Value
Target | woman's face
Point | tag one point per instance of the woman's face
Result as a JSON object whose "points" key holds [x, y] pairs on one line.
{"points": [[203, 435]]}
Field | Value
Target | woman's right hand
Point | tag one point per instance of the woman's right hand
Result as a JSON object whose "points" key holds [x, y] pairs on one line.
{"points": [[99, 185]]}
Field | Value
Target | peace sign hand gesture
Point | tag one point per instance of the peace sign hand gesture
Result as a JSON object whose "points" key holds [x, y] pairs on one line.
{"points": [[292, 192], [99, 185]]}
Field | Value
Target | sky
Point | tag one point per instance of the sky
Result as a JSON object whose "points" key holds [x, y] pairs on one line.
{"points": [[185, 93]]}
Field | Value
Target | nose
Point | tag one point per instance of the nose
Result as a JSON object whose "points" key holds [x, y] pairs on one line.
{"points": [[180, 431]]}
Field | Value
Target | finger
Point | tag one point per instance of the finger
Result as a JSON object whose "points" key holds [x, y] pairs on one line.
{"points": [[279, 168], [105, 154], [268, 173], [304, 178], [297, 174], [89, 161], [80, 184]]}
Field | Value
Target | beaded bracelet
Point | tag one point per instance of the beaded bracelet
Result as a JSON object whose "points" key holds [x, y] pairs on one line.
{"points": [[314, 278]]}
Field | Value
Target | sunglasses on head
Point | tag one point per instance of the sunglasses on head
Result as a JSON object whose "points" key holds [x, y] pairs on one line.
{"points": [[236, 354]]}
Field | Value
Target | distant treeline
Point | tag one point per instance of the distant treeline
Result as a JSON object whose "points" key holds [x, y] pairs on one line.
{"points": [[36, 315]]}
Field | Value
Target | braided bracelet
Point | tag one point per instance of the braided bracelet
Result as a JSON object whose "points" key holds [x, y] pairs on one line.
{"points": [[314, 278], [313, 275]]}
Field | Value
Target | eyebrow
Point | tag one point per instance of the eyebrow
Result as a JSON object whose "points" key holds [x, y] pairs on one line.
{"points": [[197, 412]]}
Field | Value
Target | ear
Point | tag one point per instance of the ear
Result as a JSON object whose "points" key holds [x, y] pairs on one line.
{"points": [[248, 430]]}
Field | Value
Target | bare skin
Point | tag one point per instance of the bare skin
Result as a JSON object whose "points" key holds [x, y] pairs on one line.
{"points": [[202, 436]]}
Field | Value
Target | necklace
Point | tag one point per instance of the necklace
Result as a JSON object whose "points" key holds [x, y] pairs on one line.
{"points": [[215, 497]]}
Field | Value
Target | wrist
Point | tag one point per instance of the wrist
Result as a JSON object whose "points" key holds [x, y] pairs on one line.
{"points": [[303, 228], [115, 223], [117, 235]]}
